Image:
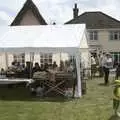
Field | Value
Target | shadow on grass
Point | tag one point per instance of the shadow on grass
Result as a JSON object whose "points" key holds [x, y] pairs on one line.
{"points": [[23, 94], [114, 117], [102, 84]]}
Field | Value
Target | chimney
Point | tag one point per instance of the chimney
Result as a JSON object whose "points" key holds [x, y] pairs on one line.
{"points": [[54, 23], [75, 11]]}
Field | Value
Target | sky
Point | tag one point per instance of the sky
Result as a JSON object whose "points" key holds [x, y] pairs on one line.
{"points": [[59, 11]]}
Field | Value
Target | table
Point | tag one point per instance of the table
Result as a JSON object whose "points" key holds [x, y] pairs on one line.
{"points": [[15, 81], [54, 87], [55, 80]]}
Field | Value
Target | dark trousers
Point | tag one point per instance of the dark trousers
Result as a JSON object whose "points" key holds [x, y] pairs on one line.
{"points": [[117, 74], [116, 104], [101, 71], [106, 75]]}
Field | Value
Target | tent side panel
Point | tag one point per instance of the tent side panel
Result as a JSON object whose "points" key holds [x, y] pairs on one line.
{"points": [[36, 58], [27, 57], [79, 88], [5, 60], [60, 56], [2, 61], [85, 58], [10, 59], [84, 41]]}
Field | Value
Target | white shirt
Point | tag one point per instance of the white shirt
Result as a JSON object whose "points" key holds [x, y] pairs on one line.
{"points": [[107, 62], [93, 62]]}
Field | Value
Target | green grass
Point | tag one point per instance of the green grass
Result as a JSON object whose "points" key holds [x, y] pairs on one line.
{"points": [[95, 105]]}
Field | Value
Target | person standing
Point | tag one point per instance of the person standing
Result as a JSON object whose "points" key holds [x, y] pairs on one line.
{"points": [[107, 65], [36, 68], [93, 67], [101, 55]]}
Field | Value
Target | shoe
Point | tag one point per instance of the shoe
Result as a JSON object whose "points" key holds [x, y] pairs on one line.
{"points": [[117, 114], [106, 84]]}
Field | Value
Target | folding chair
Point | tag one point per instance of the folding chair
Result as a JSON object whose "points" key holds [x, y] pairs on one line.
{"points": [[54, 87]]}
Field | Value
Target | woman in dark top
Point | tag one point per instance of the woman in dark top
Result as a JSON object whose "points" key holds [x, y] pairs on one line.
{"points": [[28, 70], [36, 68], [54, 65]]}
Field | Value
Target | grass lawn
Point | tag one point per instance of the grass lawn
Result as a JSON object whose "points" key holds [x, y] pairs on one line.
{"points": [[95, 105]]}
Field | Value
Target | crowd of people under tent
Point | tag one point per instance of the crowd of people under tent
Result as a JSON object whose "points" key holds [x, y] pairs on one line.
{"points": [[21, 70], [17, 70]]}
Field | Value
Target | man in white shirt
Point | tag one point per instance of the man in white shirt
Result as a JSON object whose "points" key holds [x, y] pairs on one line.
{"points": [[93, 62], [107, 65]]}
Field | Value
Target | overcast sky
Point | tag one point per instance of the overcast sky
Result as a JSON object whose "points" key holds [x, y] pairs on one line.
{"points": [[59, 11]]}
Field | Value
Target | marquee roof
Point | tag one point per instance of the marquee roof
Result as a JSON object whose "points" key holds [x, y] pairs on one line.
{"points": [[43, 38]]}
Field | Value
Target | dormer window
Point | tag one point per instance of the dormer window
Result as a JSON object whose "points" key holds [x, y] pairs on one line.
{"points": [[93, 35]]}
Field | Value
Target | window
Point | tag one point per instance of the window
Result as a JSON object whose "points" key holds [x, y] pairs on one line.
{"points": [[116, 56], [19, 58], [93, 35], [114, 35], [46, 58]]}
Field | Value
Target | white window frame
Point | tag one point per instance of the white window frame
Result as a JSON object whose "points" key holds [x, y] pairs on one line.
{"points": [[118, 56], [114, 35], [93, 35]]}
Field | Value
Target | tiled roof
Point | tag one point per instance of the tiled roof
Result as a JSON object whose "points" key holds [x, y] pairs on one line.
{"points": [[96, 20]]}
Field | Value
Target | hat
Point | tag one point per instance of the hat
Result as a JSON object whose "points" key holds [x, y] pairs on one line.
{"points": [[117, 82], [107, 53]]}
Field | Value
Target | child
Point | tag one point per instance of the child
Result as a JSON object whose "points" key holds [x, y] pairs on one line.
{"points": [[116, 98]]}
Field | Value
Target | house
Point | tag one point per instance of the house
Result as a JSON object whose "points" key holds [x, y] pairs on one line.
{"points": [[103, 31], [27, 16]]}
